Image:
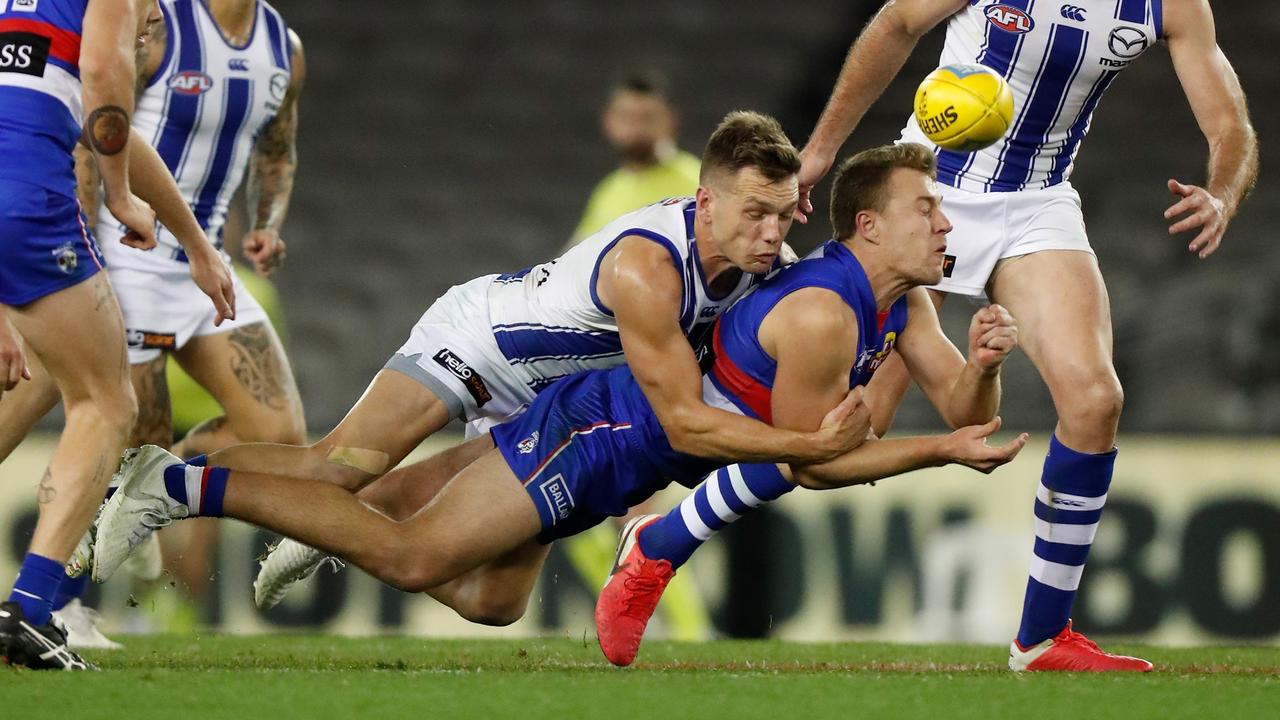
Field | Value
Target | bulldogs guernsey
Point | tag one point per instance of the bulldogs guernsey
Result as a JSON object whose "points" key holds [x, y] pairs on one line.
{"points": [[40, 95], [1058, 60], [549, 322], [203, 110], [741, 379], [590, 446]]}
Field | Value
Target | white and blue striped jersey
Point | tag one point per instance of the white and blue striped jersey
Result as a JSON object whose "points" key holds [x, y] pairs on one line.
{"points": [[549, 322], [40, 94], [205, 106], [1058, 58]]}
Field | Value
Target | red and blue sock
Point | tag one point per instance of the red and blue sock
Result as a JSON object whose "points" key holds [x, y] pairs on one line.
{"points": [[1073, 490], [201, 489]]}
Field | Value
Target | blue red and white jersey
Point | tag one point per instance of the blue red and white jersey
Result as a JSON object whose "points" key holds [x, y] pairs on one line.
{"points": [[40, 96], [205, 106], [1058, 58], [549, 322], [741, 378]]}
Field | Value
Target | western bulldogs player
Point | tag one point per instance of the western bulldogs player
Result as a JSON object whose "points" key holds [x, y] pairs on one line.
{"points": [[591, 445], [1037, 262], [57, 59], [218, 91], [644, 289]]}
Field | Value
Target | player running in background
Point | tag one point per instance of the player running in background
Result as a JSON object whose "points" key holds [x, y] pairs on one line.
{"points": [[591, 446], [70, 59], [1020, 238], [218, 88]]}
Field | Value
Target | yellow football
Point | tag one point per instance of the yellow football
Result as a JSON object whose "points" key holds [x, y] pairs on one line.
{"points": [[964, 107]]}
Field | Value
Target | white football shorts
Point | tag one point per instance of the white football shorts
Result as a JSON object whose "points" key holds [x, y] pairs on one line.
{"points": [[452, 352], [163, 307], [988, 227]]}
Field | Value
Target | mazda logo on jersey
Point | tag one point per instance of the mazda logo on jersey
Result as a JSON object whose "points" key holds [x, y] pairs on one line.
{"points": [[279, 85], [1010, 19], [1127, 42], [190, 82]]}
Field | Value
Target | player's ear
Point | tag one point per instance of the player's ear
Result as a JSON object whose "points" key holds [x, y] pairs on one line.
{"points": [[867, 223], [703, 201]]}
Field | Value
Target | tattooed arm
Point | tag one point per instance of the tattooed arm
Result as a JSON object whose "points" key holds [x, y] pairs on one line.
{"points": [[107, 72], [271, 170], [147, 59]]}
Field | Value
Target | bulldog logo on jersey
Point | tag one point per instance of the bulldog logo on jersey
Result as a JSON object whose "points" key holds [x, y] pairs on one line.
{"points": [[65, 256], [190, 82], [1010, 19]]}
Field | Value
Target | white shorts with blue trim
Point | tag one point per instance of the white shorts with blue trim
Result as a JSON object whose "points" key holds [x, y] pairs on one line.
{"points": [[989, 227], [452, 352], [163, 307]]}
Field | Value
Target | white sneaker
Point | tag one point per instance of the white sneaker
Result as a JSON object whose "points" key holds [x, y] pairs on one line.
{"points": [[285, 565], [146, 563], [141, 506], [81, 624], [82, 557]]}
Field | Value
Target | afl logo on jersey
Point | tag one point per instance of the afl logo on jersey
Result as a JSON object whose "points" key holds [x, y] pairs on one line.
{"points": [[1010, 19], [190, 82]]}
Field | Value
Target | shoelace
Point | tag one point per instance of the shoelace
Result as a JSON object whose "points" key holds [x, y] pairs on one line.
{"points": [[645, 590], [1075, 638]]}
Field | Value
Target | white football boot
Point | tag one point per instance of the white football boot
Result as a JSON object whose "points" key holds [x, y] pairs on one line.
{"points": [[140, 507], [81, 624], [286, 564]]}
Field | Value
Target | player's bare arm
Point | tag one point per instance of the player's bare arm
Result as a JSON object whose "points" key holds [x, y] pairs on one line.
{"points": [[643, 288], [1218, 103], [813, 336], [152, 181], [271, 170], [965, 391], [107, 71], [873, 61], [148, 57]]}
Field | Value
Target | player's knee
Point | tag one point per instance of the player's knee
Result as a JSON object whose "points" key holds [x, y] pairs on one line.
{"points": [[492, 611], [1097, 400]]}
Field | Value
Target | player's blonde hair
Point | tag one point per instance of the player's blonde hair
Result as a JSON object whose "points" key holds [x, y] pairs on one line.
{"points": [[749, 139], [860, 181]]}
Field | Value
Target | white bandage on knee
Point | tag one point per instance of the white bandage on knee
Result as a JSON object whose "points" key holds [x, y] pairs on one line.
{"points": [[373, 462]]}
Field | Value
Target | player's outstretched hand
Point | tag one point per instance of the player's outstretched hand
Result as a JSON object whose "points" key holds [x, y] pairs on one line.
{"points": [[968, 446], [847, 425], [139, 221], [993, 334], [1206, 212], [213, 277], [264, 250], [813, 168], [13, 364]]}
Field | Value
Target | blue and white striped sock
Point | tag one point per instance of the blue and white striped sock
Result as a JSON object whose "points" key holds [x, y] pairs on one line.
{"points": [[37, 583], [726, 495], [201, 489], [1069, 501]]}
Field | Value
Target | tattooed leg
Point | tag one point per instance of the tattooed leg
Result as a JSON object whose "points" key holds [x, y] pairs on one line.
{"points": [[155, 411], [81, 345]]}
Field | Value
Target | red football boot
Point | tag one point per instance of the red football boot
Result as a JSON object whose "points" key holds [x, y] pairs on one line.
{"points": [[630, 595], [1069, 651]]}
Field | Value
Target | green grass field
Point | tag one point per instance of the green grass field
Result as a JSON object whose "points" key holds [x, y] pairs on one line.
{"points": [[277, 677]]}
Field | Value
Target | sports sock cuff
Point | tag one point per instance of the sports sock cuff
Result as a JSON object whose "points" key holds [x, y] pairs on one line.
{"points": [[37, 584], [70, 589], [175, 482], [199, 460], [214, 491], [765, 481], [1071, 471]]}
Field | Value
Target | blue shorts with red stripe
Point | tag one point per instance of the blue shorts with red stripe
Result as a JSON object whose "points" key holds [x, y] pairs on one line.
{"points": [[45, 244], [589, 448]]}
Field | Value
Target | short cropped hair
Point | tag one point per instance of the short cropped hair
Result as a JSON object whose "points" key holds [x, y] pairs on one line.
{"points": [[861, 180], [749, 139], [643, 81]]}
